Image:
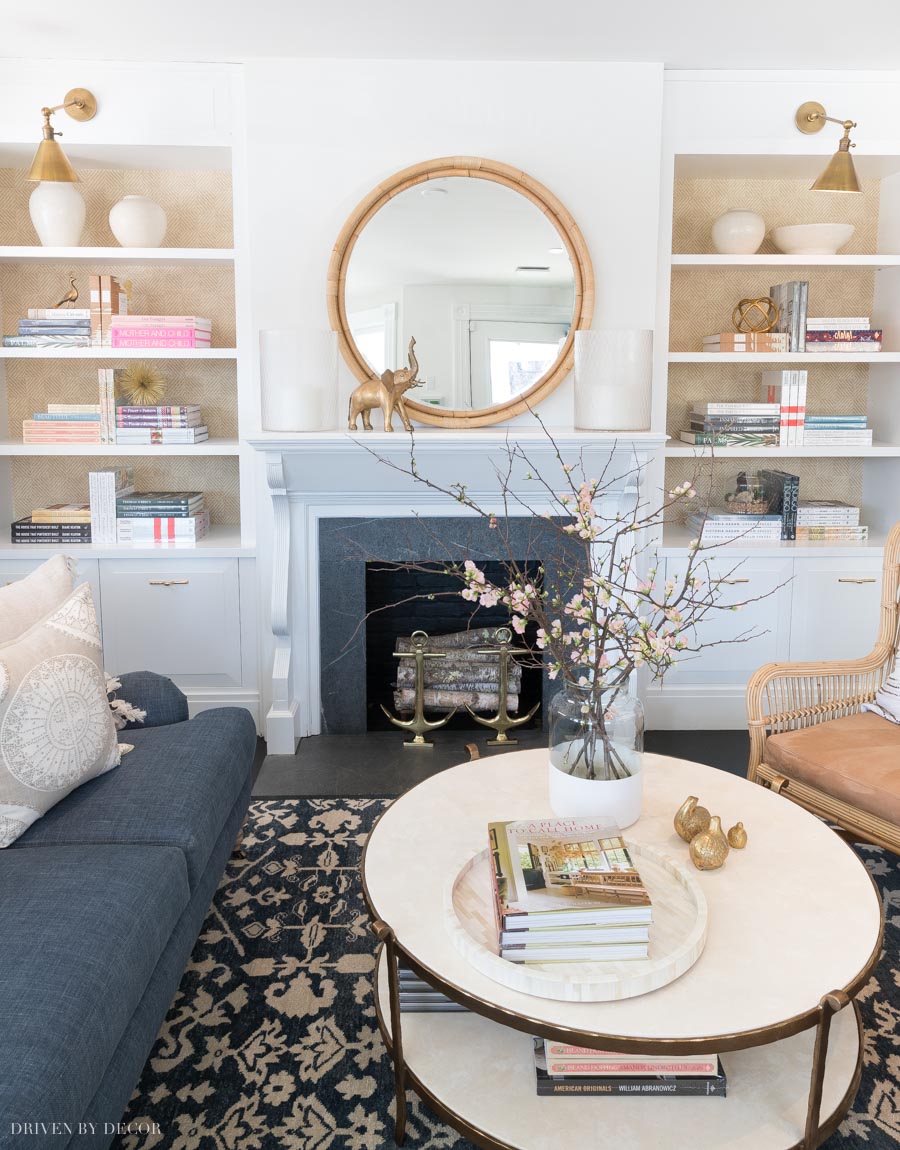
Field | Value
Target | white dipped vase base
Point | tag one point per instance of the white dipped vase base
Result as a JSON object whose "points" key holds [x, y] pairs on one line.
{"points": [[619, 799]]}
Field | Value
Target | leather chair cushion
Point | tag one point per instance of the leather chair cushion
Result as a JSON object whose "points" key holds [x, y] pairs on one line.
{"points": [[855, 759]]}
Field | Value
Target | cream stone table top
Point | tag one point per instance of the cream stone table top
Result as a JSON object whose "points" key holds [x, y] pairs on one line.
{"points": [[791, 918]]}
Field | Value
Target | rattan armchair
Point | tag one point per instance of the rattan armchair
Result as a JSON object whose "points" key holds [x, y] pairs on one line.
{"points": [[785, 697]]}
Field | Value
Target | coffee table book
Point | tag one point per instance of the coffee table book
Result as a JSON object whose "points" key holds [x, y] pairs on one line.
{"points": [[649, 1084]]}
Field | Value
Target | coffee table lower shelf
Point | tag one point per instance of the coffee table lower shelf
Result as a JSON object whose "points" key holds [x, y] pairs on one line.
{"points": [[479, 1077]]}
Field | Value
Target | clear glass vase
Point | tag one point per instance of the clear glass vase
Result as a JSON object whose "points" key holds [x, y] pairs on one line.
{"points": [[596, 752]]}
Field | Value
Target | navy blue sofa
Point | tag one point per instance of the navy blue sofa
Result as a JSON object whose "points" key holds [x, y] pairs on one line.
{"points": [[101, 902]]}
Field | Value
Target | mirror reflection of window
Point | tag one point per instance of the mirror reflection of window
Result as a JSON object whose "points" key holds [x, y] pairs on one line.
{"points": [[478, 274], [375, 333]]}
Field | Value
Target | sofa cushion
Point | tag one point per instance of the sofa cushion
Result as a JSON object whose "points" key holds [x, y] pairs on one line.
{"points": [[163, 702], [83, 929], [25, 601], [855, 759], [176, 787], [56, 728]]}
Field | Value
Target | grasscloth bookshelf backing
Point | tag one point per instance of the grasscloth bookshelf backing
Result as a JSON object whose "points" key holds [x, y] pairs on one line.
{"points": [[198, 205], [699, 201], [42, 480], [819, 478]]}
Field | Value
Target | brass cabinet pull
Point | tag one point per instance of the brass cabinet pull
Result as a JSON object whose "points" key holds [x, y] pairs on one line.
{"points": [[168, 582], [848, 579], [730, 581]]}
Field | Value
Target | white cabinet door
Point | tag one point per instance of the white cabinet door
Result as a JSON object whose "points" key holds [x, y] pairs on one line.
{"points": [[836, 608], [765, 623], [177, 616], [86, 571]]}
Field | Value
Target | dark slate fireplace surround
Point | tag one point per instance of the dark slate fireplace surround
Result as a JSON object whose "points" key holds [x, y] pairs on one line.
{"points": [[346, 546]]}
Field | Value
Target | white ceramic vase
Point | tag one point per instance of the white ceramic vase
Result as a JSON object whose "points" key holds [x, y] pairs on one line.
{"points": [[137, 222], [738, 232], [57, 212]]}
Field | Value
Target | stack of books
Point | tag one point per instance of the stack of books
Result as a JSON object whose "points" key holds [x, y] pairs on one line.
{"points": [[567, 890], [562, 1069], [108, 299], [64, 423], [143, 331], [53, 327], [788, 390], [837, 431], [792, 300], [764, 342], [734, 425], [58, 523], [165, 518], [419, 997], [178, 423], [829, 521], [783, 496], [104, 488], [843, 333], [722, 526]]}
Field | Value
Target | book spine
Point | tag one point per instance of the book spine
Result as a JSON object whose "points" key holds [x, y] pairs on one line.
{"points": [[844, 335], [158, 420], [96, 314], [156, 512], [626, 1068], [174, 409], [162, 437], [66, 314], [105, 309], [679, 1087], [28, 536], [66, 416], [125, 342], [46, 341], [196, 321], [724, 439], [59, 329], [801, 406], [136, 332]]}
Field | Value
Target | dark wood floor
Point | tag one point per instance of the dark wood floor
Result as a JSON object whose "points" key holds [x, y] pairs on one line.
{"points": [[377, 764]]}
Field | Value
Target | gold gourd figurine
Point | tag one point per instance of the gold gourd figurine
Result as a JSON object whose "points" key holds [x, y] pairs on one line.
{"points": [[691, 819], [737, 837], [709, 849]]}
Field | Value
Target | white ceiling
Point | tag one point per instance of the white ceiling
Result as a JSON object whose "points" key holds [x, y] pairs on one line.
{"points": [[461, 230], [827, 34]]}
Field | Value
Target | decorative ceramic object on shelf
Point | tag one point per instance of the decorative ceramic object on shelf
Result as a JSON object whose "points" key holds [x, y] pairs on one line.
{"points": [[613, 374], [57, 212], [596, 753], [812, 239], [137, 222], [738, 232], [709, 849], [691, 819], [298, 378], [737, 837]]}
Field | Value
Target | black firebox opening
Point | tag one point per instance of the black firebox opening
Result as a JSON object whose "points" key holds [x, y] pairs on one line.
{"points": [[399, 602]]}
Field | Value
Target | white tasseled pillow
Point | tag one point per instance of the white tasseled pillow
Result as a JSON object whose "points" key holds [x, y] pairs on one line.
{"points": [[887, 697], [27, 600]]}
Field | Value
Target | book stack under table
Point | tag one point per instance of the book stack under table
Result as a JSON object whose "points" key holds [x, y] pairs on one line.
{"points": [[561, 1069]]}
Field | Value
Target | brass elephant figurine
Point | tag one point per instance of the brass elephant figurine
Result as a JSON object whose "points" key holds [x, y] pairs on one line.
{"points": [[386, 393]]}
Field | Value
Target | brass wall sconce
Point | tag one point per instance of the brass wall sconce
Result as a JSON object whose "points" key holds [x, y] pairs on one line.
{"points": [[840, 174], [50, 161], [56, 207]]}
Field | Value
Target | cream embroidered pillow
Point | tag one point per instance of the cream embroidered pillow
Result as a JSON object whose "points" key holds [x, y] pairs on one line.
{"points": [[887, 697], [56, 728], [27, 600]]}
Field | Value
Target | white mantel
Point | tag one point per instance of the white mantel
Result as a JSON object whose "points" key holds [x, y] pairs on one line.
{"points": [[316, 475]]}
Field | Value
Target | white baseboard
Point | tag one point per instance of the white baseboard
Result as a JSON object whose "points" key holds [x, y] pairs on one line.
{"points": [[696, 709], [281, 727], [206, 700]]}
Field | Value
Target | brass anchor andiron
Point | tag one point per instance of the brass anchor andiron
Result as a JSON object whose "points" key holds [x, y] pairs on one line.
{"points": [[501, 722], [418, 724]]}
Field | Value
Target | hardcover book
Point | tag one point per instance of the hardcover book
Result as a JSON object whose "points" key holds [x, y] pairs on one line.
{"points": [[565, 872]]}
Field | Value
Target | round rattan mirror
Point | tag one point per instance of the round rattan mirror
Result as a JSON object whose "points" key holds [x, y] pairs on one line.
{"points": [[483, 268]]}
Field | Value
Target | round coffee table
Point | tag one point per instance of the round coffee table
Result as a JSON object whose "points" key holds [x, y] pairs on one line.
{"points": [[795, 927]]}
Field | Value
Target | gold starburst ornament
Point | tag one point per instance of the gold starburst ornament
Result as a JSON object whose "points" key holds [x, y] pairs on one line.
{"points": [[141, 384]]}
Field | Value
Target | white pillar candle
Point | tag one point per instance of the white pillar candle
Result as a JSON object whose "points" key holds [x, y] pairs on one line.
{"points": [[613, 374], [298, 379]]}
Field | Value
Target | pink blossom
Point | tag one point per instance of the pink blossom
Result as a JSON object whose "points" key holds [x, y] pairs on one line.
{"points": [[518, 624]]}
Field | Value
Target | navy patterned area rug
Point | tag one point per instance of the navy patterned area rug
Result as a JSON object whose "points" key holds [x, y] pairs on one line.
{"points": [[271, 1042]]}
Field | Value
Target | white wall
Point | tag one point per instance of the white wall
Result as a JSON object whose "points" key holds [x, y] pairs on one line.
{"points": [[321, 134]]}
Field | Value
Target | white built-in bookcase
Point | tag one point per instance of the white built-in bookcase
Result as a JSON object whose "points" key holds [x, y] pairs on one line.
{"points": [[699, 288], [195, 186]]}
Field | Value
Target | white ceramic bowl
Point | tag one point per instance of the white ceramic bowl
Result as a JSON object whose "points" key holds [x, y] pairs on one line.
{"points": [[812, 239]]}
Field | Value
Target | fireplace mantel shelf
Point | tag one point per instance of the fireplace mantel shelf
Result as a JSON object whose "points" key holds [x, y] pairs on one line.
{"points": [[462, 439]]}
